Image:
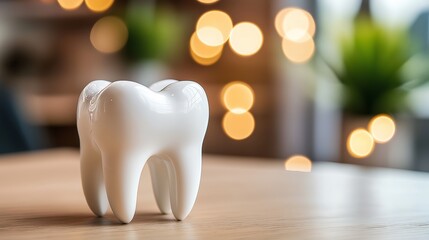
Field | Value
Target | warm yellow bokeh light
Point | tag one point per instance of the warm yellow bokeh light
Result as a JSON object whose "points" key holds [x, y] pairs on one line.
{"points": [[211, 36], [207, 1], [203, 54], [70, 4], [213, 28], [109, 34], [278, 21], [382, 128], [237, 97], [298, 163], [205, 61], [295, 24], [238, 126], [312, 24], [202, 50], [298, 52], [360, 143], [99, 5], [246, 39]]}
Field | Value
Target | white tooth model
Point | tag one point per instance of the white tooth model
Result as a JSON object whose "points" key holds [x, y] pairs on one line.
{"points": [[122, 125]]}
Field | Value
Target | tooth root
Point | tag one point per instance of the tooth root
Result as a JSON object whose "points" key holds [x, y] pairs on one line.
{"points": [[160, 183], [186, 171], [122, 175], [92, 180]]}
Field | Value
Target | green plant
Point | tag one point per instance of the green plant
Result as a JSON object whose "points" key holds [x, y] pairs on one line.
{"points": [[379, 68], [154, 33]]}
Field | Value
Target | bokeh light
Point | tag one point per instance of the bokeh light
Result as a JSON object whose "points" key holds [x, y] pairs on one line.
{"points": [[207, 1], [211, 36], [295, 24], [213, 28], [238, 126], [70, 4], [298, 52], [202, 50], [109, 34], [312, 24], [278, 21], [246, 38], [99, 5], [360, 143], [382, 128], [298, 25], [298, 163], [205, 61], [237, 97]]}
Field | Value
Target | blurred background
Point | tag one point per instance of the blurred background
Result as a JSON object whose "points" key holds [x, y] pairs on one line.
{"points": [[299, 80]]}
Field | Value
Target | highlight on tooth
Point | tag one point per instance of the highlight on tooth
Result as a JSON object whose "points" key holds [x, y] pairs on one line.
{"points": [[124, 125]]}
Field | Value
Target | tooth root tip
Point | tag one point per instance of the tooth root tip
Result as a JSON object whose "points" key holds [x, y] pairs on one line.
{"points": [[181, 217], [99, 213], [125, 221]]}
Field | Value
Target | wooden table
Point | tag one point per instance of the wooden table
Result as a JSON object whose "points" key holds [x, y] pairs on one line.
{"points": [[240, 198]]}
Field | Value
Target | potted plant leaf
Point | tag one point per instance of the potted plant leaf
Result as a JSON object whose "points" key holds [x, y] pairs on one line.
{"points": [[155, 34], [379, 68]]}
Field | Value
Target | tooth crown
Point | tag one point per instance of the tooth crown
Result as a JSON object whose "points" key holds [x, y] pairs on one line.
{"points": [[122, 125]]}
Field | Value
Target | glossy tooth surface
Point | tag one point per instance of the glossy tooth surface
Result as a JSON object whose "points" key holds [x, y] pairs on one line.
{"points": [[122, 125]]}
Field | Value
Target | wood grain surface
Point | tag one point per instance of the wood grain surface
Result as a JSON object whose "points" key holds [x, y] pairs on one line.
{"points": [[240, 198]]}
